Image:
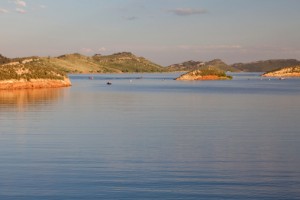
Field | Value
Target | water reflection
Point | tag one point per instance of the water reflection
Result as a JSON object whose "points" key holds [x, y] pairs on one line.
{"points": [[21, 100], [152, 140]]}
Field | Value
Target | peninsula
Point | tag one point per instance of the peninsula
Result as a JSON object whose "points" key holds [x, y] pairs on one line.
{"points": [[29, 73], [284, 72]]}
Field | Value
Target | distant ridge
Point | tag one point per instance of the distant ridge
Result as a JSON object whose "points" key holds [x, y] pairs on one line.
{"points": [[265, 66], [195, 65], [126, 62], [257, 66], [186, 66]]}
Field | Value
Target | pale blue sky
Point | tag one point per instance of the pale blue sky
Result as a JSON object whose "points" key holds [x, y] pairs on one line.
{"points": [[165, 31]]}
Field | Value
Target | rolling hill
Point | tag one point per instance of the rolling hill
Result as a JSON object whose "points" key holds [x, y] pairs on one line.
{"points": [[124, 62]]}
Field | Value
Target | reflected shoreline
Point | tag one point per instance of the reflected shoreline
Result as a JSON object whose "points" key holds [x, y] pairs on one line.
{"points": [[22, 99]]}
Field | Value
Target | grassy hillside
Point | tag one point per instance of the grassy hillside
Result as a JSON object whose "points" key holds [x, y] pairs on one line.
{"points": [[28, 68], [127, 62], [265, 66], [57, 67], [76, 63], [194, 65], [116, 63]]}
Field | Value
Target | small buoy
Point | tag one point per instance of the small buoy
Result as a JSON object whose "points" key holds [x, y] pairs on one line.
{"points": [[108, 83]]}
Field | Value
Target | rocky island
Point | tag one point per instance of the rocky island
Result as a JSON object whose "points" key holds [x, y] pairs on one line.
{"points": [[29, 73], [284, 72], [207, 73]]}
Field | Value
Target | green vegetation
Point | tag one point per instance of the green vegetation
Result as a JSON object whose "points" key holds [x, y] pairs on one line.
{"points": [[205, 73], [211, 71], [35, 69]]}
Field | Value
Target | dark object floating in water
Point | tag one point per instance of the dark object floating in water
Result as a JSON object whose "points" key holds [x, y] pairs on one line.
{"points": [[108, 83], [91, 78]]}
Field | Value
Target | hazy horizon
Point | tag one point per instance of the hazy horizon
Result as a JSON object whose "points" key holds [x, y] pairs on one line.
{"points": [[163, 31]]}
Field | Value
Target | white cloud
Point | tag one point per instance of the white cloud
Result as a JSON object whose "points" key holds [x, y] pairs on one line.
{"points": [[102, 49], [86, 50], [3, 11], [20, 3], [188, 11], [20, 10]]}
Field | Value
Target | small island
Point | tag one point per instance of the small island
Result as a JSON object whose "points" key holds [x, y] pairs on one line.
{"points": [[284, 72], [207, 73], [31, 73]]}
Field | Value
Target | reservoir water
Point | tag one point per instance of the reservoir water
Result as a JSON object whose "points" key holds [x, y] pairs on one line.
{"points": [[147, 136]]}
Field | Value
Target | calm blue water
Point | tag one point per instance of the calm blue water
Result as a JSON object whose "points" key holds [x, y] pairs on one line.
{"points": [[147, 136]]}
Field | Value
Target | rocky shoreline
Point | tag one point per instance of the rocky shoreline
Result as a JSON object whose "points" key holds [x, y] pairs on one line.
{"points": [[34, 83], [285, 72]]}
